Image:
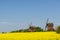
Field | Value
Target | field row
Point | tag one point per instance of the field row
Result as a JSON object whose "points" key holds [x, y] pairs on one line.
{"points": [[30, 36]]}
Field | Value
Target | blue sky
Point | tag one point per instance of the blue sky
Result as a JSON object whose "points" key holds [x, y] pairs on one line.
{"points": [[18, 14]]}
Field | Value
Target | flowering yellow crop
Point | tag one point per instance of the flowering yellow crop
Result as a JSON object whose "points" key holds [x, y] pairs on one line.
{"points": [[30, 36]]}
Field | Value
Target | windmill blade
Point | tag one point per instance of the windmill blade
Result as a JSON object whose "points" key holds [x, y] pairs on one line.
{"points": [[30, 24], [46, 23]]}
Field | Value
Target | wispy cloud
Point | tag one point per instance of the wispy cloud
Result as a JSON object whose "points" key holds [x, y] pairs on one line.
{"points": [[10, 26], [7, 23]]}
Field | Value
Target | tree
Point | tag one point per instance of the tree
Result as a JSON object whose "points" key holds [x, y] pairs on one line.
{"points": [[14, 31], [25, 30], [4, 32], [21, 30], [38, 29], [58, 29]]}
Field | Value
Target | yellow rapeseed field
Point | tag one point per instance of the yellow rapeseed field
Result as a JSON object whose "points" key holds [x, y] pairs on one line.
{"points": [[30, 36]]}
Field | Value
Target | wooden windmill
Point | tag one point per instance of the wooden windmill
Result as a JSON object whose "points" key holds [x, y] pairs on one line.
{"points": [[49, 26], [31, 28]]}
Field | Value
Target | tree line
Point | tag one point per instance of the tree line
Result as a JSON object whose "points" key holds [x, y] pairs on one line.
{"points": [[37, 29]]}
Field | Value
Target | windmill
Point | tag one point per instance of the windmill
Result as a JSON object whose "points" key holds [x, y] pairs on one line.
{"points": [[46, 23]]}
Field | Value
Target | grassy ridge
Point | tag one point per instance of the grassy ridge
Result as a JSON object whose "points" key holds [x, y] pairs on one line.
{"points": [[30, 36]]}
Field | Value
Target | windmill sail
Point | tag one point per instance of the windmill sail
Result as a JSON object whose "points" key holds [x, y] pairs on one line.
{"points": [[46, 23], [30, 24]]}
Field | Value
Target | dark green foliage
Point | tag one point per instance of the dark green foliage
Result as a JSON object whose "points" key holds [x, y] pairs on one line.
{"points": [[58, 29], [25, 30], [4, 32], [14, 31], [20, 30], [38, 29]]}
